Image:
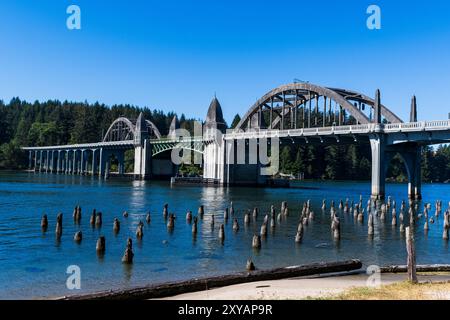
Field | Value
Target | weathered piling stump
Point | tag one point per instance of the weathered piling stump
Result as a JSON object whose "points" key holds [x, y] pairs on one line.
{"points": [[189, 216], [283, 206], [305, 221], [337, 228], [272, 211], [247, 218], [346, 206], [212, 221], [58, 229], [255, 213], [139, 231], [195, 227], [299, 235], [445, 234], [356, 212], [93, 217], [44, 223], [394, 217], [77, 214], [201, 211], [324, 205], [78, 237], [411, 261], [426, 227], [263, 231], [148, 218], [116, 226], [128, 254], [383, 212], [98, 220], [256, 242], [273, 224], [222, 233], [370, 230], [250, 266], [279, 217], [171, 222], [101, 245], [235, 225], [225, 214], [125, 214], [165, 210], [361, 217], [231, 209]]}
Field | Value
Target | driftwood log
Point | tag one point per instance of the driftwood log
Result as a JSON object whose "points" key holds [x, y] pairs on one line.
{"points": [[419, 268], [180, 287]]}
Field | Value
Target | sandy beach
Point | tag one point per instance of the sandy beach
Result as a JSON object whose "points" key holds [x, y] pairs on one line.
{"points": [[304, 288]]}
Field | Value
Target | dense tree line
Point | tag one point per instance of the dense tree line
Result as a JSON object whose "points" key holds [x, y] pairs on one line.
{"points": [[353, 162], [55, 122]]}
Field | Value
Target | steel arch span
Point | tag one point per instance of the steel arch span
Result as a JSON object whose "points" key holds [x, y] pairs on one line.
{"points": [[304, 105], [123, 129]]}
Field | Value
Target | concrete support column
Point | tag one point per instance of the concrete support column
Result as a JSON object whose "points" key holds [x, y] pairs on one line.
{"points": [[30, 156], [47, 161], [65, 160], [94, 162], [377, 145], [103, 162], [418, 172], [412, 158], [35, 160], [142, 160], [82, 162], [74, 162], [58, 162], [121, 162], [40, 160], [52, 161], [69, 161]]}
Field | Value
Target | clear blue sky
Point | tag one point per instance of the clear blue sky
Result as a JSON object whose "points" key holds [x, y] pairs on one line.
{"points": [[174, 55]]}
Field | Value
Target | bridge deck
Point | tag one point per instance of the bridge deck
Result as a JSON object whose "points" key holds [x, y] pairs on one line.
{"points": [[363, 129]]}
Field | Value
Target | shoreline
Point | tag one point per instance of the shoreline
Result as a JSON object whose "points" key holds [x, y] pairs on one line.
{"points": [[294, 282], [310, 288]]}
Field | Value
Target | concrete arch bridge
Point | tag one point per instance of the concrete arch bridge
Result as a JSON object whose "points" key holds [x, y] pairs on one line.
{"points": [[300, 113]]}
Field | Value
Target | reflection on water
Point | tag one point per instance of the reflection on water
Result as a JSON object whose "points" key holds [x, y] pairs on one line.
{"points": [[33, 263]]}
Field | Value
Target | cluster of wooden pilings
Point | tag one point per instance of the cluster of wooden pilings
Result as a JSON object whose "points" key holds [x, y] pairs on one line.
{"points": [[407, 217]]}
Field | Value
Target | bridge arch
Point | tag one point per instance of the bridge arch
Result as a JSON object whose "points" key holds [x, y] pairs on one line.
{"points": [[293, 97], [123, 129]]}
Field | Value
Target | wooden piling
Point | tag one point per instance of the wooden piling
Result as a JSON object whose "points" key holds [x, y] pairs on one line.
{"points": [[411, 261]]}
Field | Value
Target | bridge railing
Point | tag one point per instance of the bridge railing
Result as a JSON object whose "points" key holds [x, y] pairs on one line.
{"points": [[343, 130]]}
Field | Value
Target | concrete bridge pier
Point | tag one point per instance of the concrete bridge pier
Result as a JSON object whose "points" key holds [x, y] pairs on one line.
{"points": [[412, 157], [379, 165], [121, 162], [242, 164], [142, 160], [30, 157], [103, 156], [94, 165]]}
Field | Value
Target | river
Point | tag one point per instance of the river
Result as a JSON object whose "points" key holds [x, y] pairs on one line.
{"points": [[33, 264]]}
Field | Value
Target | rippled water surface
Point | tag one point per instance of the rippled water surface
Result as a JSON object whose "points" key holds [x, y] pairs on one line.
{"points": [[33, 264]]}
